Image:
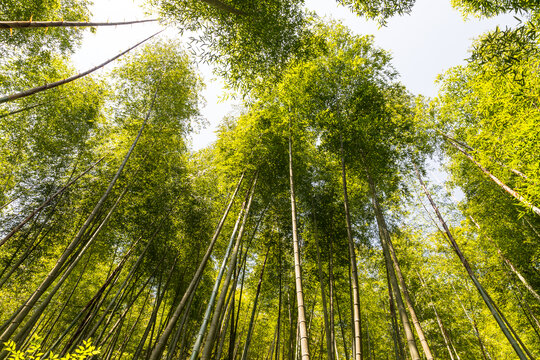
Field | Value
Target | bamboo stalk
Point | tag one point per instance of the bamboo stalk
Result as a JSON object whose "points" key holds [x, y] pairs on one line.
{"points": [[47, 24], [505, 187], [304, 341], [71, 78]]}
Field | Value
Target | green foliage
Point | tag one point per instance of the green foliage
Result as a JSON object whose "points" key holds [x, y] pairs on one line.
{"points": [[84, 351], [252, 40], [379, 10], [497, 117], [161, 211], [490, 8], [46, 143], [327, 89], [160, 69]]}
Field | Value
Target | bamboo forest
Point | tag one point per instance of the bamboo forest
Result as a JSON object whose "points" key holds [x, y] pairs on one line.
{"points": [[313, 227]]}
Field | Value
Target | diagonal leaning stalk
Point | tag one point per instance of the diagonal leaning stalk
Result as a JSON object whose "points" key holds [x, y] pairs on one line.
{"points": [[71, 78], [47, 24], [496, 180]]}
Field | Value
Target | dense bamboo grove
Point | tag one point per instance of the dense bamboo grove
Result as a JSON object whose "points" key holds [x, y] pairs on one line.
{"points": [[311, 228]]}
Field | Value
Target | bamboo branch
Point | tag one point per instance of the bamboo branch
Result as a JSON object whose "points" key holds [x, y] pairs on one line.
{"points": [[505, 187], [71, 78], [448, 137], [23, 109], [508, 263], [46, 24]]}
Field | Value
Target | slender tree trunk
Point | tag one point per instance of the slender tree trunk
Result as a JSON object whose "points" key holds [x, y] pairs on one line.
{"points": [[279, 304], [115, 309], [153, 316], [133, 327], [241, 333], [474, 326], [225, 322], [112, 343], [273, 346], [94, 303], [180, 330], [297, 344], [351, 312], [233, 344], [254, 310], [32, 246], [357, 318], [304, 343], [343, 337], [113, 304], [526, 309], [531, 226], [408, 301], [329, 350], [518, 275], [483, 294], [311, 315], [66, 302], [292, 331], [505, 187], [27, 108], [102, 339], [512, 331], [162, 340], [452, 140], [331, 300], [70, 79], [392, 331], [41, 308], [233, 311], [454, 349], [439, 321], [47, 24], [237, 270], [385, 236], [78, 333], [398, 346], [93, 306]]}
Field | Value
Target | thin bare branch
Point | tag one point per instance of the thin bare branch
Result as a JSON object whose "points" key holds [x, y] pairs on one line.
{"points": [[71, 78], [46, 24]]}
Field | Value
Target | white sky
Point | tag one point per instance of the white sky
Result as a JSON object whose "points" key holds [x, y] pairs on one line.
{"points": [[424, 44]]}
